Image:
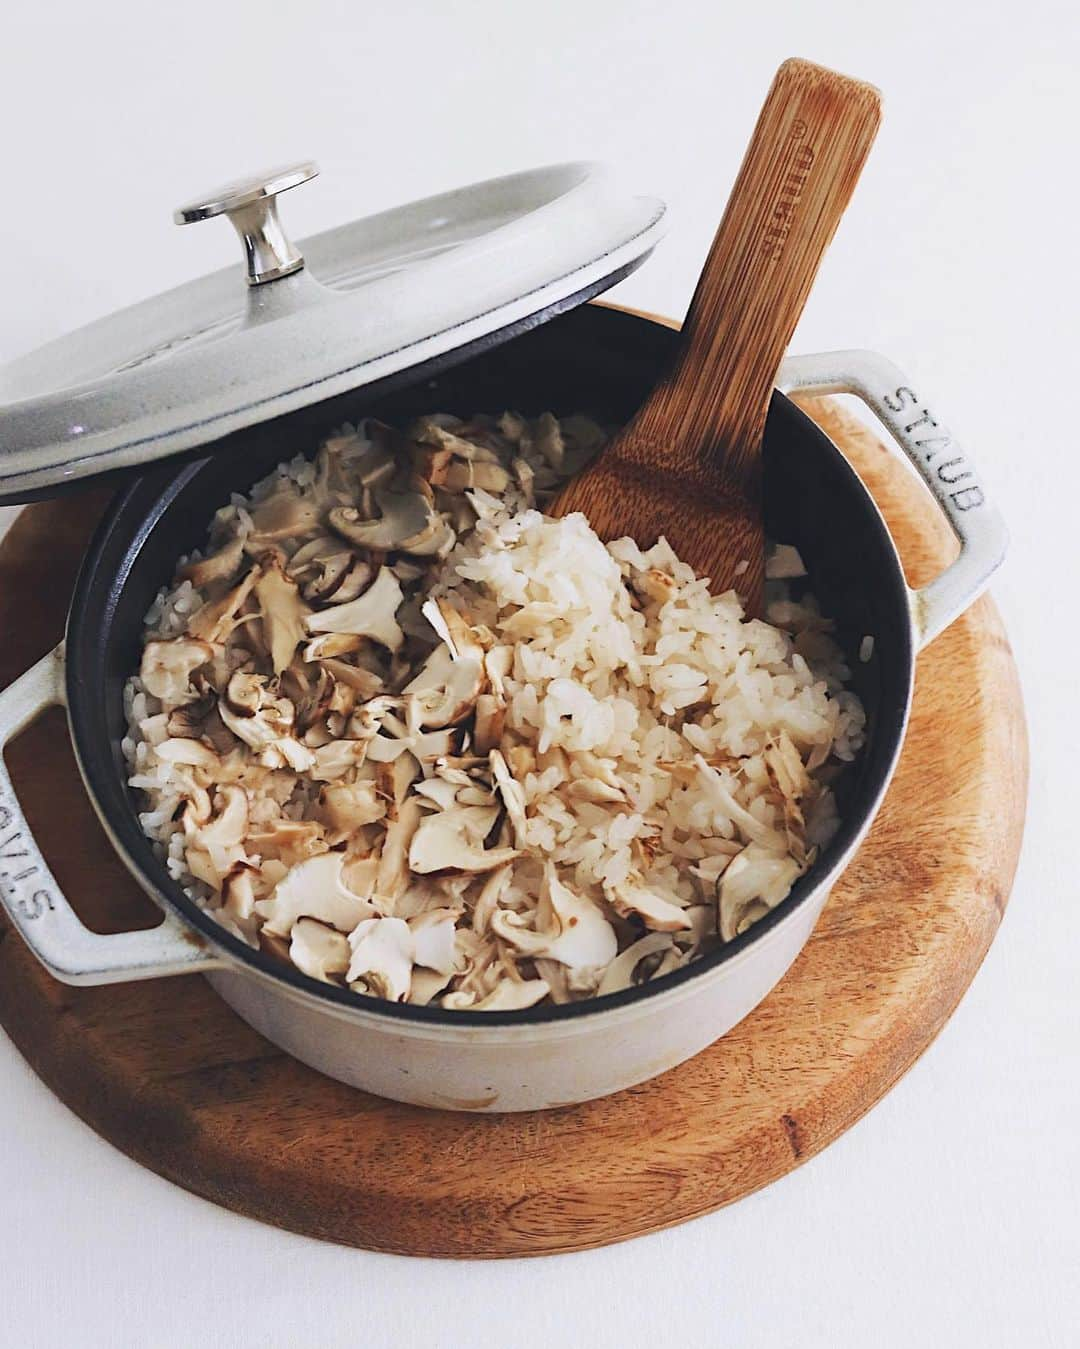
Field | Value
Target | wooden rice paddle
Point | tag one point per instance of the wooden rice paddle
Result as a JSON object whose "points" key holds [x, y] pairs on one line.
{"points": [[688, 466]]}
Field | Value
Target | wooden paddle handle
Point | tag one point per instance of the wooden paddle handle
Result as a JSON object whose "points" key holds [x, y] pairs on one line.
{"points": [[808, 148]]}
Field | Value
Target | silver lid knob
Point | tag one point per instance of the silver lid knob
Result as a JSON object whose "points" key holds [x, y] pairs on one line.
{"points": [[251, 205]]}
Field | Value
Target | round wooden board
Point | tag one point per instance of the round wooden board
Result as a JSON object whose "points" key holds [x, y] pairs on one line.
{"points": [[167, 1073]]}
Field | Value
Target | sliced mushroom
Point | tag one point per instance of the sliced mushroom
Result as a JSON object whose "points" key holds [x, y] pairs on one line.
{"points": [[487, 901], [509, 995], [167, 668], [658, 914], [447, 841], [183, 751], [513, 796], [465, 477], [313, 889], [310, 556], [372, 615], [283, 612], [620, 973], [402, 516], [570, 928], [382, 958], [392, 878], [317, 950], [334, 760], [238, 891], [220, 566], [490, 722], [753, 883], [331, 645], [433, 939], [219, 842], [439, 790], [215, 621], [428, 748], [545, 437], [445, 690], [263, 722], [393, 780], [345, 807], [189, 721], [425, 985], [284, 514], [353, 583], [366, 684], [291, 841]]}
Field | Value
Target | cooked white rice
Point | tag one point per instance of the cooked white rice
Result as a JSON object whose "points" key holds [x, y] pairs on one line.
{"points": [[661, 769]]}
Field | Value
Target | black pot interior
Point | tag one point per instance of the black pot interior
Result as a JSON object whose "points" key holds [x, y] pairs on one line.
{"points": [[592, 360]]}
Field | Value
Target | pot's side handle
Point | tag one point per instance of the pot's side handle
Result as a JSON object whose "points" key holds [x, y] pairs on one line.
{"points": [[939, 461], [46, 921]]}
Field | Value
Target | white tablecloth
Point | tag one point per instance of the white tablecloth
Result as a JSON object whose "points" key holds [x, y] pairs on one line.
{"points": [[948, 1216]]}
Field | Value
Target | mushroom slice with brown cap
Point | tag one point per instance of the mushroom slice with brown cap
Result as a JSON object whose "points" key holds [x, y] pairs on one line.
{"points": [[167, 668], [433, 939], [283, 612], [513, 796], [317, 950], [313, 889], [658, 914], [220, 566], [402, 516], [353, 583], [382, 958], [464, 477], [570, 928], [450, 841], [372, 615]]}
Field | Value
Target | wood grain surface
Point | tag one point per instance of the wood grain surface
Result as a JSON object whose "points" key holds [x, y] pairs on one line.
{"points": [[167, 1073], [688, 465]]}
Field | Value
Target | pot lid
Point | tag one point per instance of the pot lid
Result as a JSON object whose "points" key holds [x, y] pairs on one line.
{"points": [[383, 299]]}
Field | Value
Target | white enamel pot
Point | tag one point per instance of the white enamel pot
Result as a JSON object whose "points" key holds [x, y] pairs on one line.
{"points": [[594, 359]]}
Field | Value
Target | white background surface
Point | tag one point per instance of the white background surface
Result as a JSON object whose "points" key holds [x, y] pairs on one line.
{"points": [[948, 1216]]}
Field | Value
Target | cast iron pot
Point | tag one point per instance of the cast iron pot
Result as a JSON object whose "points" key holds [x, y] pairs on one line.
{"points": [[593, 359]]}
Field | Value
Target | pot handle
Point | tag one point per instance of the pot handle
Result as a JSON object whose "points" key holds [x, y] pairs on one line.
{"points": [[938, 459], [45, 920]]}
